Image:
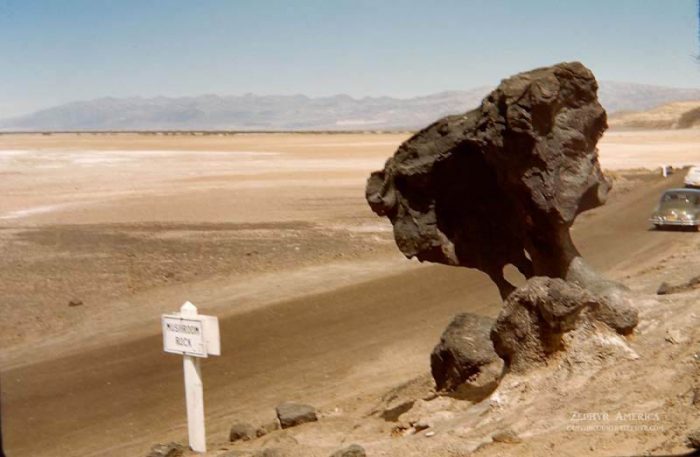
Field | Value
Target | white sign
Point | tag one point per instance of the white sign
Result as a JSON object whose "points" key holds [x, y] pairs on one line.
{"points": [[192, 335], [183, 336], [196, 335]]}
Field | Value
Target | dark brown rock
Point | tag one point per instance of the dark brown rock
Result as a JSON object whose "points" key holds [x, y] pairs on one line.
{"points": [[293, 414], [534, 318], [464, 349], [241, 431], [502, 184]]}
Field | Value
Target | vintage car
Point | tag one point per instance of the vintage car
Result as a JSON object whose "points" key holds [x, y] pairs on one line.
{"points": [[678, 207], [692, 179]]}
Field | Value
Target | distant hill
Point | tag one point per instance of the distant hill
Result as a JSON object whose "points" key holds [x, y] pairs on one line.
{"points": [[670, 115], [298, 112]]}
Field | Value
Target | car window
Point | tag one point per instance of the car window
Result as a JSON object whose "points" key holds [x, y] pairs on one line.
{"points": [[680, 197]]}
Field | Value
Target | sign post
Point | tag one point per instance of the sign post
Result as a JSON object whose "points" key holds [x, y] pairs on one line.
{"points": [[194, 336], [2, 453]]}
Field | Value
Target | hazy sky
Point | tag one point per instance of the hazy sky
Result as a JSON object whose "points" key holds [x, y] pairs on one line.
{"points": [[63, 50]]}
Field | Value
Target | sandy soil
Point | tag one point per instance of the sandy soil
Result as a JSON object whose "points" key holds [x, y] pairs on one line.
{"points": [[271, 233]]}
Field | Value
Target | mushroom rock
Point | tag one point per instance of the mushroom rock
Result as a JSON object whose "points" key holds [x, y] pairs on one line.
{"points": [[502, 184]]}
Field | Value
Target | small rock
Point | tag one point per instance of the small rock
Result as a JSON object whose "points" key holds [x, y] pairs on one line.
{"points": [[354, 450], [293, 414], [694, 439], [506, 436], [167, 450], [420, 426], [464, 349], [664, 288], [241, 431], [429, 434], [75, 302], [674, 336]]}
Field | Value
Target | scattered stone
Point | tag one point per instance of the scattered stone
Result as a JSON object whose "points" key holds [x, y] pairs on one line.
{"points": [[429, 434], [506, 436], [354, 450], [694, 439], [666, 288], [167, 450], [293, 414], [242, 431], [534, 318], [420, 426], [464, 349], [75, 302]]}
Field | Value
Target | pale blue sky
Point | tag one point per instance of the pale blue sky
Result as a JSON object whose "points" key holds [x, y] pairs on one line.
{"points": [[54, 51]]}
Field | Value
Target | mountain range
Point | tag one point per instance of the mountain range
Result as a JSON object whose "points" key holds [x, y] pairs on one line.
{"points": [[298, 112]]}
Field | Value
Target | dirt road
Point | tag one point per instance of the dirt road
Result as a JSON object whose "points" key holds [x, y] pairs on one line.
{"points": [[323, 348]]}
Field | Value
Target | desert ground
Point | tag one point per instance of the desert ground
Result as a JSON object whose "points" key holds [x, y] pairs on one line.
{"points": [[101, 234]]}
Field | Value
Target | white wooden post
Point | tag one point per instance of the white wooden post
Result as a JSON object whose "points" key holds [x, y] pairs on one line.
{"points": [[194, 393], [194, 336]]}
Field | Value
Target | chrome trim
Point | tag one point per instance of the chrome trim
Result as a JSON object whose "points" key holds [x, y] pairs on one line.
{"points": [[678, 222]]}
